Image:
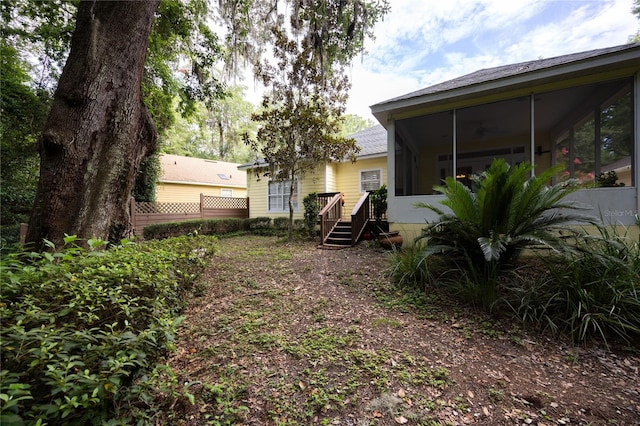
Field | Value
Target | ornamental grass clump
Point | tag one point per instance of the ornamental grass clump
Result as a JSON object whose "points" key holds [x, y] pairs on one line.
{"points": [[590, 292], [409, 268]]}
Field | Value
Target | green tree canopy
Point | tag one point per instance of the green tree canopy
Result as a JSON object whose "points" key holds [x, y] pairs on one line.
{"points": [[353, 123], [333, 30], [215, 131], [22, 114], [636, 11], [182, 53], [301, 116]]}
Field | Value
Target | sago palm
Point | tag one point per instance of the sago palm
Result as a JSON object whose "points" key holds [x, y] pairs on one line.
{"points": [[509, 211]]}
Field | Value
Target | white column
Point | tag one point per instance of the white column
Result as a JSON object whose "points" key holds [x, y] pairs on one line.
{"points": [[391, 168], [532, 129], [636, 139], [455, 144]]}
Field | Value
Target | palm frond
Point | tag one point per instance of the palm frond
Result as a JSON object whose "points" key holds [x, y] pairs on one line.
{"points": [[510, 210], [493, 246]]}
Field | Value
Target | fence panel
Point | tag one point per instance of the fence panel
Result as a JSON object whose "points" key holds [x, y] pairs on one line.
{"points": [[224, 203], [167, 208], [143, 214]]}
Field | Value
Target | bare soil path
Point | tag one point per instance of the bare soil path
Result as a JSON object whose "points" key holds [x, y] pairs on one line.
{"points": [[287, 334]]}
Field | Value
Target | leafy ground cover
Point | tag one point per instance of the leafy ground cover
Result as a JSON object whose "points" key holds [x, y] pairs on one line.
{"points": [[82, 332], [284, 334]]}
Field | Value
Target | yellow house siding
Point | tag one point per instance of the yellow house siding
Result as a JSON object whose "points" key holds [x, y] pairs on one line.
{"points": [[348, 179], [322, 180], [188, 193], [331, 178], [340, 177], [313, 182], [259, 190]]}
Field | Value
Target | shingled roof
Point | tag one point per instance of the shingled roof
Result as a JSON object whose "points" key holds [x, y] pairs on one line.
{"points": [[198, 171], [372, 141], [503, 72]]}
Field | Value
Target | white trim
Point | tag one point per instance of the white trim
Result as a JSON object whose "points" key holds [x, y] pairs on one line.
{"points": [[285, 207], [391, 160], [217, 185], [370, 156], [377, 169], [532, 131], [454, 141], [636, 136], [566, 70]]}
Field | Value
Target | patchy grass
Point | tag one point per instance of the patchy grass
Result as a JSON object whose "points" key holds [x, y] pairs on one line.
{"points": [[286, 334]]}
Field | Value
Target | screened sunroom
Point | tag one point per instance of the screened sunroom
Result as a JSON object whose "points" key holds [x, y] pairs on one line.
{"points": [[579, 111]]}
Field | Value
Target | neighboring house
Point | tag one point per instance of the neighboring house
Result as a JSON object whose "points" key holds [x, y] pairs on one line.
{"points": [[369, 172], [580, 110], [183, 179]]}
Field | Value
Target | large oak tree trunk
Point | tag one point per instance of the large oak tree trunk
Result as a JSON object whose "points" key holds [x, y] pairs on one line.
{"points": [[98, 129]]}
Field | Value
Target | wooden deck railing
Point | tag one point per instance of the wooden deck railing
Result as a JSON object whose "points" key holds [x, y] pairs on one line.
{"points": [[324, 198], [329, 216], [360, 216]]}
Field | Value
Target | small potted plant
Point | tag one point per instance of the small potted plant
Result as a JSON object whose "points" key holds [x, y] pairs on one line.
{"points": [[386, 239], [379, 204]]}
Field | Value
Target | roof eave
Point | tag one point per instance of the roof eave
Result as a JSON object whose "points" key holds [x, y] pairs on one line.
{"points": [[382, 111], [182, 182], [252, 166], [371, 156]]}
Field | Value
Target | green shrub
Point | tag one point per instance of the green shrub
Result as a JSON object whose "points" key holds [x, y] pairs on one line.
{"points": [[260, 226], [609, 179], [409, 266], [82, 332], [219, 227], [259, 223], [201, 227], [379, 202], [311, 210], [509, 212], [9, 237], [281, 223], [489, 228]]}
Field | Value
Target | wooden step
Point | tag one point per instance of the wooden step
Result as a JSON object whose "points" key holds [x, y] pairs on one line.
{"points": [[339, 241], [326, 246], [340, 236], [346, 232]]}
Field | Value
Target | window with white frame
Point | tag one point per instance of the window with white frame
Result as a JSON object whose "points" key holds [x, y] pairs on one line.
{"points": [[226, 192], [370, 180], [278, 196]]}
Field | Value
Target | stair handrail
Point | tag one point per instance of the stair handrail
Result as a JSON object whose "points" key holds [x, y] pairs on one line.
{"points": [[329, 216], [360, 216], [325, 197]]}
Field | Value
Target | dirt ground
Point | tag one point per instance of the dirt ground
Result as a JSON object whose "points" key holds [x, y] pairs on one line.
{"points": [[286, 333]]}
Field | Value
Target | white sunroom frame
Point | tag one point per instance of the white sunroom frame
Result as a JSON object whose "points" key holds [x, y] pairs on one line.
{"points": [[615, 205]]}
